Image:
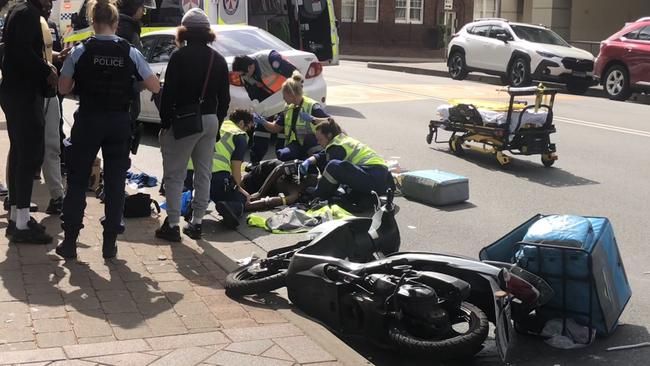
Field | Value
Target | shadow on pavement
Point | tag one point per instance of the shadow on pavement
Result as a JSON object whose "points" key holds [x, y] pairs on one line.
{"points": [[341, 111], [526, 170]]}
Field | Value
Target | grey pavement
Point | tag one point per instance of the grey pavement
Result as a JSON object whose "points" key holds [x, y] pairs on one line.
{"points": [[156, 304]]}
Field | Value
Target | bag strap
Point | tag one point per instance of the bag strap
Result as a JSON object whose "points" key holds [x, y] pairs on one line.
{"points": [[207, 77], [157, 206]]}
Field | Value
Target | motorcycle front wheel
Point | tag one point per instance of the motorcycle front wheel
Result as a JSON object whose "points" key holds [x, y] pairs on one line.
{"points": [[253, 279], [455, 344]]}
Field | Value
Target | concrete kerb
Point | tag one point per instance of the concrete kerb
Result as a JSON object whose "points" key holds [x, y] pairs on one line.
{"points": [[434, 71], [227, 259]]}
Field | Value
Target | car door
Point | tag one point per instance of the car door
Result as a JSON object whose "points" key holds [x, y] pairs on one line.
{"points": [[477, 38], [497, 52], [637, 52], [158, 50]]}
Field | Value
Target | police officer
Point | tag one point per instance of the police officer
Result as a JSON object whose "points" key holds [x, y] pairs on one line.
{"points": [[348, 162], [296, 122], [102, 70]]}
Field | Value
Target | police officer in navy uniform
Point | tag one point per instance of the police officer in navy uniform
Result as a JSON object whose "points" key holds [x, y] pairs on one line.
{"points": [[102, 71]]}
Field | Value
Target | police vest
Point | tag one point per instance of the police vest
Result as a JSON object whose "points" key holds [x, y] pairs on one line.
{"points": [[303, 128], [271, 80], [105, 73], [226, 146], [356, 152]]}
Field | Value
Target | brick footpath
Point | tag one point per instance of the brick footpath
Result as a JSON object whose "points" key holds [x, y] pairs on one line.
{"points": [[156, 304]]}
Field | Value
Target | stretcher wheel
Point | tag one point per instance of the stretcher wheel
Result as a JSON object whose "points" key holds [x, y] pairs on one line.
{"points": [[456, 146], [503, 159], [548, 160]]}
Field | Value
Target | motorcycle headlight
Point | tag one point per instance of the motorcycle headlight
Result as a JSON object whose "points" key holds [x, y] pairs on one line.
{"points": [[546, 54]]}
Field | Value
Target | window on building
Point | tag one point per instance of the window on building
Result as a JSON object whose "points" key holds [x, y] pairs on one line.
{"points": [[371, 11], [349, 11], [409, 11]]}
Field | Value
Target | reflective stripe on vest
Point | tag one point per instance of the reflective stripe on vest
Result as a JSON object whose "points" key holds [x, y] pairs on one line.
{"points": [[356, 152], [303, 128], [271, 79], [226, 146]]}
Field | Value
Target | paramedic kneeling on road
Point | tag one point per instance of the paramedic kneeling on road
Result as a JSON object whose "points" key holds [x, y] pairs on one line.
{"points": [[297, 122], [225, 189], [349, 162], [102, 70]]}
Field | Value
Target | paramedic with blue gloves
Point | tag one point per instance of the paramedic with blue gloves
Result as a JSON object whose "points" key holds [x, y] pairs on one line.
{"points": [[347, 161], [101, 70], [297, 122], [226, 186]]}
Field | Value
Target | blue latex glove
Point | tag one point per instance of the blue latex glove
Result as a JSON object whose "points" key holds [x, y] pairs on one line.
{"points": [[258, 120], [304, 167], [306, 116]]}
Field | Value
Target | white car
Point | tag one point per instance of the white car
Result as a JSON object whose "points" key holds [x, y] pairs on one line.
{"points": [[234, 40], [519, 53]]}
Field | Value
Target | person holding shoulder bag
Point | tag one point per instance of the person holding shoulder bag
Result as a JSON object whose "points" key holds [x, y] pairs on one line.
{"points": [[195, 100]]}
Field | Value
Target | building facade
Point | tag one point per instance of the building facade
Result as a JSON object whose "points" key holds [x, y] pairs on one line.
{"points": [[412, 28]]}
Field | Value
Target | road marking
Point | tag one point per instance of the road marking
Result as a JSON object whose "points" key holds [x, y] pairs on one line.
{"points": [[603, 126], [360, 93]]}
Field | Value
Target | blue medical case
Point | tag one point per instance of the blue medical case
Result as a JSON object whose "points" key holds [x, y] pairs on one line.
{"points": [[579, 258]]}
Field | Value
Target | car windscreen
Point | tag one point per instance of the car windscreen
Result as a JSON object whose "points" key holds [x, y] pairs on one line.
{"points": [[538, 35], [246, 41]]}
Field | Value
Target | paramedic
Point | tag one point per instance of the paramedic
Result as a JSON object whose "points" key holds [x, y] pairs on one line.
{"points": [[297, 122], [347, 161]]}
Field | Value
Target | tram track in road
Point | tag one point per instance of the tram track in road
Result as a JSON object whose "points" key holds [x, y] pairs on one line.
{"points": [[557, 118]]}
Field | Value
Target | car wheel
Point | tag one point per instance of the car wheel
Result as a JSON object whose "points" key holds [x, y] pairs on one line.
{"points": [[617, 83], [519, 73], [577, 87], [457, 66]]}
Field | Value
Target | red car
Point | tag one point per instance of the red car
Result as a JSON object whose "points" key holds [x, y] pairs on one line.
{"points": [[623, 64]]}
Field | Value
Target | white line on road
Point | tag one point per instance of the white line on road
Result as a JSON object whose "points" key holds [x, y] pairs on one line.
{"points": [[556, 118], [603, 126]]}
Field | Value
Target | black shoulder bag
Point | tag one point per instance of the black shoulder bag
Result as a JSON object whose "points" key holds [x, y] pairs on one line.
{"points": [[187, 120]]}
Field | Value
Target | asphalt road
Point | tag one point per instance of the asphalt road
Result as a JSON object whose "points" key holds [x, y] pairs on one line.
{"points": [[603, 170]]}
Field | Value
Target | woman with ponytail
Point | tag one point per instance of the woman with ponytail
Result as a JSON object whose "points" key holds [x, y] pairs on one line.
{"points": [[347, 162], [102, 71], [297, 122]]}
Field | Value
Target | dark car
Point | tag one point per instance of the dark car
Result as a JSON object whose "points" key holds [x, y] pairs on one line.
{"points": [[623, 64]]}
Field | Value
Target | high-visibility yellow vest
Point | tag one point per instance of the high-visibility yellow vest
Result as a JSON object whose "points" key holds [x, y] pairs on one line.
{"points": [[303, 128], [356, 152], [224, 148]]}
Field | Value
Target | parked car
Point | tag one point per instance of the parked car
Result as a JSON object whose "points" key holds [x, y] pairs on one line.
{"points": [[623, 63], [234, 40], [519, 53]]}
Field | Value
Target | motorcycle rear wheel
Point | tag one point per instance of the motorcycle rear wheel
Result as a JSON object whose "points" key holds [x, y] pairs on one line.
{"points": [[243, 282], [459, 346]]}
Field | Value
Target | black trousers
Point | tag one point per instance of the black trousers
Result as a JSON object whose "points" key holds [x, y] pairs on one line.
{"points": [[91, 131], [26, 129]]}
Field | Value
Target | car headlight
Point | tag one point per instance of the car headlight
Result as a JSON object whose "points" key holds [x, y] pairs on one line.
{"points": [[546, 54]]}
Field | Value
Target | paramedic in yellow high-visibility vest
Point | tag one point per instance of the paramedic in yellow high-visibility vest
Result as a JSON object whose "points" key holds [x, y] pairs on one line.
{"points": [[296, 123], [347, 162]]}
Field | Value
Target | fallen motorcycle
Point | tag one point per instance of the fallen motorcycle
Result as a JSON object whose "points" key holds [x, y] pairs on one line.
{"points": [[359, 239], [419, 303]]}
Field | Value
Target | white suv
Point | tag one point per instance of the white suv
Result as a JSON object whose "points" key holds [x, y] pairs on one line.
{"points": [[519, 53]]}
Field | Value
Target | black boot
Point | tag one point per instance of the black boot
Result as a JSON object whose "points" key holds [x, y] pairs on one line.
{"points": [[168, 232], [109, 248], [68, 247]]}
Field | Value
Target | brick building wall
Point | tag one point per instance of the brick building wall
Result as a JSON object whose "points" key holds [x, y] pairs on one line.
{"points": [[386, 37]]}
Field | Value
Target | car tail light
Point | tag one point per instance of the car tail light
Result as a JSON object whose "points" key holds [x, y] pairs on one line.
{"points": [[235, 78], [315, 69], [520, 288]]}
